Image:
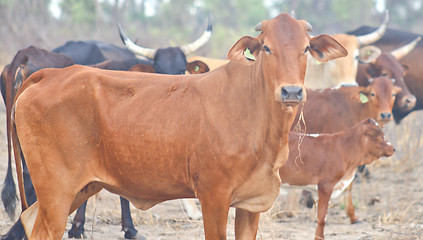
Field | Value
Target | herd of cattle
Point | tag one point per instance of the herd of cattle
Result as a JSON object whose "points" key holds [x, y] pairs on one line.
{"points": [[285, 107]]}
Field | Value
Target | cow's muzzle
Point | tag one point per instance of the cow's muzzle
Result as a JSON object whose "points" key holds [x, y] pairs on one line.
{"points": [[385, 117], [407, 103], [292, 95]]}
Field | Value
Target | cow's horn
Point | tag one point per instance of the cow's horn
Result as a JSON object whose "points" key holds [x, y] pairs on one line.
{"points": [[189, 48], [376, 35], [137, 50], [404, 50], [259, 26]]}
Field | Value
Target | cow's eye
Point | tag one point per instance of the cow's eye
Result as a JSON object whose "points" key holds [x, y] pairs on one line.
{"points": [[306, 49], [267, 49], [372, 94]]}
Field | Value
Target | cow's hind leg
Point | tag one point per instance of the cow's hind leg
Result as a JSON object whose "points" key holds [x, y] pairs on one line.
{"points": [[77, 230], [46, 219], [349, 206], [246, 224]]}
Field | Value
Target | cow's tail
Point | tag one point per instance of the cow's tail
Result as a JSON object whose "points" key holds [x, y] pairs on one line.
{"points": [[18, 160], [8, 193]]}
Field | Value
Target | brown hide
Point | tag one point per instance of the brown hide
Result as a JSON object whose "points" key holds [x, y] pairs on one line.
{"points": [[329, 161], [387, 65], [124, 131], [336, 109]]}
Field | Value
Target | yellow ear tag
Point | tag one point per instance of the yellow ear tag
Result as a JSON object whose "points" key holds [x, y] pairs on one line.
{"points": [[363, 98], [317, 61], [248, 55], [196, 68]]}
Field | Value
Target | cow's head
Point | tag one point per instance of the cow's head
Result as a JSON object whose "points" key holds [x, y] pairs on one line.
{"points": [[379, 96], [373, 141], [344, 70], [387, 65], [171, 60], [280, 54]]}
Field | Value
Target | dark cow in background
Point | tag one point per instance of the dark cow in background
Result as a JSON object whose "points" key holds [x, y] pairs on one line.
{"points": [[93, 52], [393, 39]]}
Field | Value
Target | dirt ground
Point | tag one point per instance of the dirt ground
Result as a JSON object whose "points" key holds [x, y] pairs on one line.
{"points": [[395, 182]]}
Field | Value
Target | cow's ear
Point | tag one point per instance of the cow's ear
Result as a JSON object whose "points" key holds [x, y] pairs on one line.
{"points": [[406, 68], [245, 51], [196, 67], [360, 96], [324, 48], [368, 54], [397, 90]]}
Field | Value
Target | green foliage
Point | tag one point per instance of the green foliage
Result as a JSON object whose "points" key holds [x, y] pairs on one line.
{"points": [[79, 11]]}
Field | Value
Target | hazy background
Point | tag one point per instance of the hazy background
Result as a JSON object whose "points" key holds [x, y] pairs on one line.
{"points": [[161, 23]]}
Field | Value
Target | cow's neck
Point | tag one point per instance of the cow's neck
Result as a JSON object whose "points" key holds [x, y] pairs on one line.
{"points": [[271, 117], [350, 144]]}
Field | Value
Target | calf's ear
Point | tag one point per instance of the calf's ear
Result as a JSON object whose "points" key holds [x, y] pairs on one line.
{"points": [[245, 50], [360, 96], [324, 48]]}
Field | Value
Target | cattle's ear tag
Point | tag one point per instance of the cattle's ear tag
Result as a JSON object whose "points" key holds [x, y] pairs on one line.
{"points": [[196, 68], [248, 55], [363, 98], [317, 61]]}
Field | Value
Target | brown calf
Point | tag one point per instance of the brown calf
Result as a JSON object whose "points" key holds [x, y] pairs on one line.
{"points": [[329, 161]]}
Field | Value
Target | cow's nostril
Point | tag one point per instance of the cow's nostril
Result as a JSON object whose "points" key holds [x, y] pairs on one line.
{"points": [[385, 115], [284, 92], [300, 94]]}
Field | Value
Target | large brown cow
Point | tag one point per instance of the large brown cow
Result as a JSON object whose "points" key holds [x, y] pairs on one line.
{"points": [[328, 162], [122, 131], [337, 109]]}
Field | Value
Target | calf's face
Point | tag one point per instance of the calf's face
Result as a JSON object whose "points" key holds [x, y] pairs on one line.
{"points": [[380, 97], [374, 142]]}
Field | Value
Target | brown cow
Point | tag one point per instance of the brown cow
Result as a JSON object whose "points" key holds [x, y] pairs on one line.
{"points": [[337, 109], [387, 64], [122, 131], [329, 161]]}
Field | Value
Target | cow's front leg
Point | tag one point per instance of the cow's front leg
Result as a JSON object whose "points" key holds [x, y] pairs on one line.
{"points": [[127, 224], [322, 210], [77, 230], [215, 210], [246, 224]]}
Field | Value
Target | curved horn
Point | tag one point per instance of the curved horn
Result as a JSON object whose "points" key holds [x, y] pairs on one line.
{"points": [[376, 35], [406, 49], [189, 48], [137, 50], [259, 26]]}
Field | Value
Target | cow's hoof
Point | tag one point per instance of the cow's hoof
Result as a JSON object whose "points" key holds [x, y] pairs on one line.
{"points": [[133, 234], [76, 233]]}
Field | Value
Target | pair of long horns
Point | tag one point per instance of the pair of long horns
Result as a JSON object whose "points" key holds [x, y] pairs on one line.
{"points": [[406, 49], [151, 52], [376, 35]]}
